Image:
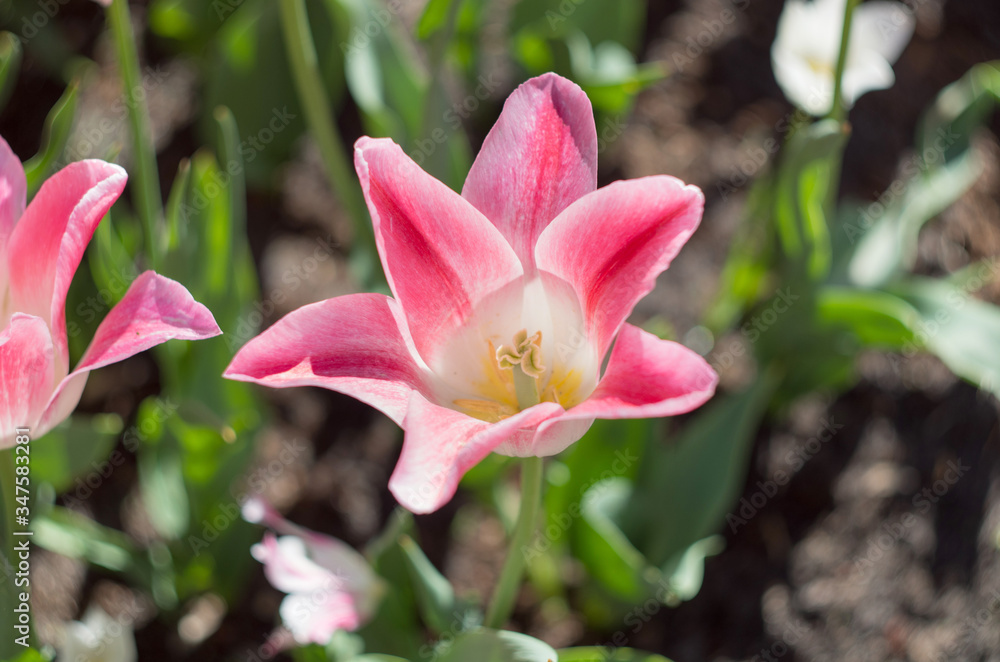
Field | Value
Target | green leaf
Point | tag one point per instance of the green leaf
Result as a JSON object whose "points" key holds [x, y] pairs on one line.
{"points": [[30, 655], [609, 449], [876, 318], [497, 646], [606, 552], [161, 475], [607, 654], [435, 595], [56, 132], [10, 65], [686, 572], [685, 487], [434, 18], [808, 159], [78, 451], [74, 535], [961, 330], [557, 18], [885, 234], [111, 265], [395, 629]]}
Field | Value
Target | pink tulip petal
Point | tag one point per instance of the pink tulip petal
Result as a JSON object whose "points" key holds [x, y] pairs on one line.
{"points": [[646, 378], [313, 618], [442, 444], [48, 243], [13, 189], [540, 156], [612, 244], [154, 310], [26, 375], [356, 344], [441, 256], [288, 567], [552, 438]]}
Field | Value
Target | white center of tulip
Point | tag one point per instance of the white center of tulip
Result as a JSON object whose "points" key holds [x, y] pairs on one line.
{"points": [[492, 369]]}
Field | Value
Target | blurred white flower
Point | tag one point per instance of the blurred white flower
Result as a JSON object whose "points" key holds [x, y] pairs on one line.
{"points": [[330, 586], [97, 638], [804, 54]]}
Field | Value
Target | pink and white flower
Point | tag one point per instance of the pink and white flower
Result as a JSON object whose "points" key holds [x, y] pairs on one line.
{"points": [[40, 249], [330, 586], [805, 50], [506, 300]]}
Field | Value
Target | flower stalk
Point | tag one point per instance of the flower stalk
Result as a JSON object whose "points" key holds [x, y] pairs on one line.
{"points": [[838, 109], [502, 603], [319, 116], [147, 190]]}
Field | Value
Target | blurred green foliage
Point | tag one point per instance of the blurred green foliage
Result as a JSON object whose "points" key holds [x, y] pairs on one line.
{"points": [[637, 505]]}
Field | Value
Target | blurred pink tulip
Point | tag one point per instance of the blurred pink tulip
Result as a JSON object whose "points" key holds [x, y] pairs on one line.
{"points": [[330, 586], [40, 250], [506, 300]]}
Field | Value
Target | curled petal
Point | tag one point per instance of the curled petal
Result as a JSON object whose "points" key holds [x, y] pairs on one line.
{"points": [[26, 375], [540, 156], [646, 378], [13, 189], [48, 242], [356, 344], [442, 444], [441, 256], [313, 618], [288, 565], [612, 244], [155, 309]]}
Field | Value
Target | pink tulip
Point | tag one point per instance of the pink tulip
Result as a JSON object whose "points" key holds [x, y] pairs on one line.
{"points": [[330, 586], [41, 248], [506, 300]]}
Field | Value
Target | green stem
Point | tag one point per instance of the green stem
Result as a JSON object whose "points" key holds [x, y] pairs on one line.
{"points": [[147, 179], [837, 111], [502, 603], [319, 116], [438, 51]]}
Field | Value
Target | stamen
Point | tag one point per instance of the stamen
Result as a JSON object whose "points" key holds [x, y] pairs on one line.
{"points": [[524, 358]]}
